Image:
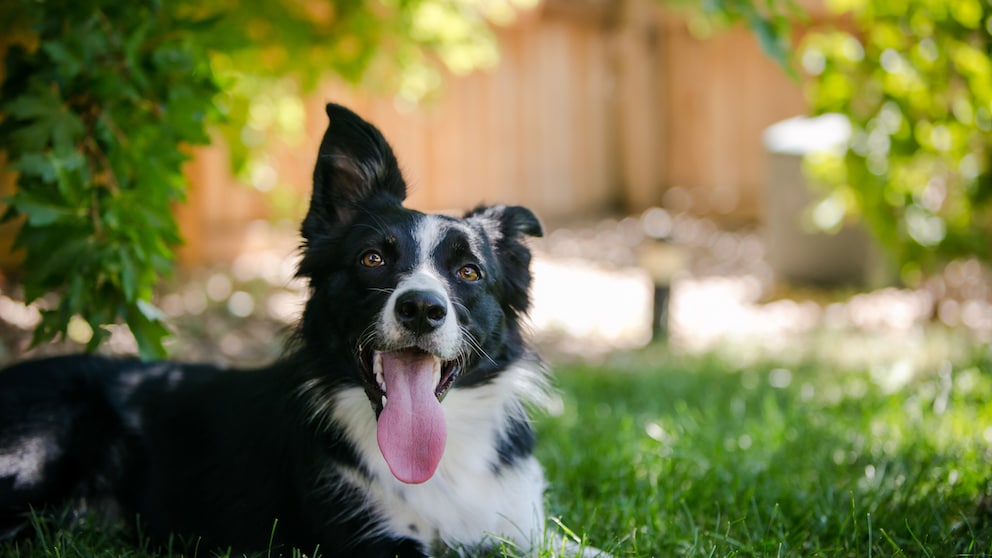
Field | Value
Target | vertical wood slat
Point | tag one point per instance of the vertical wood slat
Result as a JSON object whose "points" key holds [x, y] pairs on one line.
{"points": [[638, 107], [722, 92]]}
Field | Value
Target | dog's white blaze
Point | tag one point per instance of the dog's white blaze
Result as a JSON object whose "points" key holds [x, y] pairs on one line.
{"points": [[467, 501], [446, 342], [430, 231]]}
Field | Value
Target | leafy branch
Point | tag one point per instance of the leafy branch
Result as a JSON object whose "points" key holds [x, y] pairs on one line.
{"points": [[95, 200], [915, 81]]}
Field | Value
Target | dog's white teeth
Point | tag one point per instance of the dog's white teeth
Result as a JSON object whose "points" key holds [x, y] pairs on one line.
{"points": [[383, 401], [436, 372], [377, 371]]}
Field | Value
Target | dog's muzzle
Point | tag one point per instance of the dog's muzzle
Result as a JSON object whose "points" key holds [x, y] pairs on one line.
{"points": [[412, 365]]}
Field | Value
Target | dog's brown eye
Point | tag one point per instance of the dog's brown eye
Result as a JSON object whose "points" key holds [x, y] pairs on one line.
{"points": [[470, 273], [372, 259]]}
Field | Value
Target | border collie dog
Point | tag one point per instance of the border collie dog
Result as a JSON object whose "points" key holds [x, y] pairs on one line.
{"points": [[395, 425]]}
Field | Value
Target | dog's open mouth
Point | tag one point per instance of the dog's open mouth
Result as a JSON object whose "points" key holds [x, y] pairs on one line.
{"points": [[443, 373], [406, 388]]}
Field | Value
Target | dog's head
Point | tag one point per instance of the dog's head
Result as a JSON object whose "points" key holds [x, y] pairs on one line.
{"points": [[421, 303]]}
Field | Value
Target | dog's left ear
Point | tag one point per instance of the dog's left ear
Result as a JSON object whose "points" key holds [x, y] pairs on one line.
{"points": [[507, 222], [354, 164], [507, 226]]}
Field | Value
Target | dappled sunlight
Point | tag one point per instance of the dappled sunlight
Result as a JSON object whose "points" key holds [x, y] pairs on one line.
{"points": [[588, 309], [707, 311], [725, 298], [17, 314]]}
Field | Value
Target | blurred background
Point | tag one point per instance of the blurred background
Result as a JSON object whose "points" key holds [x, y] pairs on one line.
{"points": [[769, 181]]}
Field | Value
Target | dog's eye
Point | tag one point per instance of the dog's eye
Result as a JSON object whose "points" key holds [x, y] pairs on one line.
{"points": [[372, 259], [470, 273]]}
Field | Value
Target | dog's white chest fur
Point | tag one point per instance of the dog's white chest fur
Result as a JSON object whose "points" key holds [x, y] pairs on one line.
{"points": [[469, 499]]}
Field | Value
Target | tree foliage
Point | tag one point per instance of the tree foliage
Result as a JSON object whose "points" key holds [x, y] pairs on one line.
{"points": [[94, 118], [915, 79]]}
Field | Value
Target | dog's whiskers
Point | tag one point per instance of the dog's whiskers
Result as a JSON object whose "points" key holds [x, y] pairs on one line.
{"points": [[383, 290], [473, 343], [366, 339], [475, 346]]}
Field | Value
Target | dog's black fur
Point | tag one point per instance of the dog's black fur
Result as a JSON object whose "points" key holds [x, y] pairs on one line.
{"points": [[221, 457]]}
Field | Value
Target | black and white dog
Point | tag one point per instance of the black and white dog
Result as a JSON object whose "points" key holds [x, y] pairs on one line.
{"points": [[395, 425]]}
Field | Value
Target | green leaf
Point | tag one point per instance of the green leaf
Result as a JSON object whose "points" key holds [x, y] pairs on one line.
{"points": [[129, 276], [46, 120], [150, 311], [773, 41], [62, 56], [146, 323], [29, 107], [56, 265], [67, 129], [70, 178], [30, 137], [40, 212], [36, 164]]}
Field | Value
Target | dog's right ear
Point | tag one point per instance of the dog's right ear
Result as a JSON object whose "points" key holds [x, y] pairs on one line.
{"points": [[354, 164]]}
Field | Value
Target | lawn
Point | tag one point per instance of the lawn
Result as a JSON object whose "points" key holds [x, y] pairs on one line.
{"points": [[653, 455], [650, 454]]}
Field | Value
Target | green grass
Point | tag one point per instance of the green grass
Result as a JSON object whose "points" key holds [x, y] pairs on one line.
{"points": [[656, 455], [659, 456]]}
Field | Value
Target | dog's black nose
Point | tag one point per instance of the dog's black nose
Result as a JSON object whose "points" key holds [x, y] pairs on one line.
{"points": [[421, 311]]}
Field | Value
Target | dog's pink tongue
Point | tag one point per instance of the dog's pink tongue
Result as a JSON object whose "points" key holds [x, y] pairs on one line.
{"points": [[411, 429]]}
